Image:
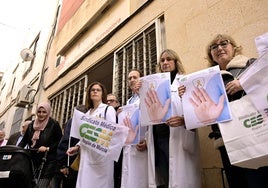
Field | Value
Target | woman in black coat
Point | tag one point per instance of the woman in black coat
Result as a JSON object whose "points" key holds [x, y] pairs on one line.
{"points": [[43, 134]]}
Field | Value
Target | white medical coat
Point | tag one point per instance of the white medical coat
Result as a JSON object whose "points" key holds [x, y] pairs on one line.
{"points": [[184, 164], [95, 170], [134, 165]]}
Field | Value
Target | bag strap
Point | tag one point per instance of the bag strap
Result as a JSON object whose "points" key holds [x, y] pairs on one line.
{"points": [[105, 112]]}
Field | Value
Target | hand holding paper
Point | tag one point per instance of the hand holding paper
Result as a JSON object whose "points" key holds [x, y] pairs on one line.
{"points": [[142, 145], [175, 121], [181, 90], [233, 87]]}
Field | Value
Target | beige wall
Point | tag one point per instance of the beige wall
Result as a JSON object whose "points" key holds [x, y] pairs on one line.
{"points": [[190, 25], [15, 72]]}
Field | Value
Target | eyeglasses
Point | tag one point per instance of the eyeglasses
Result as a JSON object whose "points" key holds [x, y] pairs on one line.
{"points": [[93, 90], [222, 44]]}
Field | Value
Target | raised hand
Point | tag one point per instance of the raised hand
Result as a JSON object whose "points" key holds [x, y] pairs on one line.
{"points": [[206, 110], [155, 109], [131, 132]]}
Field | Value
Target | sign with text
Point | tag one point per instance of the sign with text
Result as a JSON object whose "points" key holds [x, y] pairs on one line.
{"points": [[98, 135], [254, 80], [205, 101]]}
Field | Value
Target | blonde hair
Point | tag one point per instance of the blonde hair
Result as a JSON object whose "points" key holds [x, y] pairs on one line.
{"points": [[172, 54], [221, 37]]}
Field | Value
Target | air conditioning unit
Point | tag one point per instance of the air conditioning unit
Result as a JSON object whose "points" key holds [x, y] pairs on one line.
{"points": [[60, 60], [24, 96]]}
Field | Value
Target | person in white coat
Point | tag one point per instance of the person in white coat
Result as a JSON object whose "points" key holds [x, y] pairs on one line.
{"points": [[95, 170], [134, 167], [173, 151]]}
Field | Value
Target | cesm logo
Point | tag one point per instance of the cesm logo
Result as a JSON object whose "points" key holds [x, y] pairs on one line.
{"points": [[96, 134], [253, 121]]}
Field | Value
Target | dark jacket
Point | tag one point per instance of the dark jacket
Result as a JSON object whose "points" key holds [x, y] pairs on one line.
{"points": [[227, 78], [49, 137], [13, 138], [62, 157]]}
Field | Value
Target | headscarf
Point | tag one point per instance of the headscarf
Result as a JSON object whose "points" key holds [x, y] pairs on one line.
{"points": [[38, 125]]}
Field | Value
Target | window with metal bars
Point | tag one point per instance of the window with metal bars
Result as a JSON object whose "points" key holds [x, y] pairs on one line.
{"points": [[64, 102], [139, 53]]}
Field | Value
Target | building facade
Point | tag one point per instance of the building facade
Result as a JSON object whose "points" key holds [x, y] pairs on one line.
{"points": [[102, 40]]}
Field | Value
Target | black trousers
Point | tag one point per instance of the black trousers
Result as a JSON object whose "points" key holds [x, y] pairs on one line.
{"points": [[118, 171], [162, 159], [243, 177]]}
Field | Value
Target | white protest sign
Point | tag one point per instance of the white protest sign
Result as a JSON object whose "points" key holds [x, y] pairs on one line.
{"points": [[155, 97], [205, 101], [98, 135], [254, 80]]}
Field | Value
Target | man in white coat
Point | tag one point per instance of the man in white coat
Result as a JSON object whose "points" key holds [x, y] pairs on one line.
{"points": [[134, 167]]}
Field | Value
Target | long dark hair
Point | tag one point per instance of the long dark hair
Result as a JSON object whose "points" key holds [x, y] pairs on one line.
{"points": [[89, 103]]}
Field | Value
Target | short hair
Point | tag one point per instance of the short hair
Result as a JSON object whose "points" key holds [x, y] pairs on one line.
{"points": [[81, 108], [111, 94], [137, 70], [238, 49]]}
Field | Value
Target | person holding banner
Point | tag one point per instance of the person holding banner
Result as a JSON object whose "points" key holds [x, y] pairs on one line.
{"points": [[134, 166], [223, 51], [95, 169], [173, 151]]}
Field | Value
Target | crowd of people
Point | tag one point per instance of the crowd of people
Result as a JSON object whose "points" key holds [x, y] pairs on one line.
{"points": [[167, 156]]}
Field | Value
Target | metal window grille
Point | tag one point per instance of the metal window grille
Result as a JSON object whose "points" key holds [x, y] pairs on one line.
{"points": [[64, 102], [139, 53]]}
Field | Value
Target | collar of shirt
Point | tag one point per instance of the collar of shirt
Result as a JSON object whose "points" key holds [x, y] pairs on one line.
{"points": [[134, 98]]}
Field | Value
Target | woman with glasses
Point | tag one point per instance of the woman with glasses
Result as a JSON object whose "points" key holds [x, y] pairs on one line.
{"points": [[223, 51], [95, 170]]}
